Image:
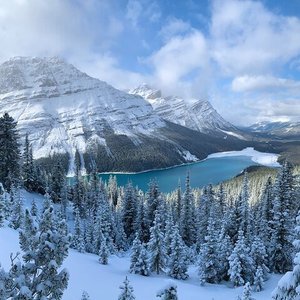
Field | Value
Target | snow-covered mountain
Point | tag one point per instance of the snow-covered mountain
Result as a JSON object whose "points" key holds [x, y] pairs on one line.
{"points": [[281, 129], [195, 114], [63, 109]]}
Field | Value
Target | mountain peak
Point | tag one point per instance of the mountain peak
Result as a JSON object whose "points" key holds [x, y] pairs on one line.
{"points": [[146, 91], [195, 114]]}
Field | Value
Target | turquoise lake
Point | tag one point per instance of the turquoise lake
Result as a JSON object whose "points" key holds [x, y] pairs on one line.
{"points": [[212, 170]]}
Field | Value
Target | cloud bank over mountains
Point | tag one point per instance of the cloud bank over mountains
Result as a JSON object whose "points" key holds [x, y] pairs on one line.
{"points": [[244, 56]]}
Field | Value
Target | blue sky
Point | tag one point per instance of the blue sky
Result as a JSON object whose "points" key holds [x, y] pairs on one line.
{"points": [[243, 56]]}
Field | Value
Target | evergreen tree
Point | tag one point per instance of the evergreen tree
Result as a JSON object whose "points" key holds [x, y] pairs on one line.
{"points": [[209, 260], [178, 259], [156, 247], [103, 252], [126, 291], [129, 210], [247, 292], [139, 258], [259, 279], [288, 285], [280, 250], [168, 293], [9, 151], [39, 275], [186, 217], [85, 296], [240, 263], [17, 217], [78, 237], [34, 210], [28, 169], [224, 249]]}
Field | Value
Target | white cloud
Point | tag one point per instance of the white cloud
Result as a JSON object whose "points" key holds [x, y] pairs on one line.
{"points": [[134, 11], [174, 27], [263, 83], [247, 38], [181, 62]]}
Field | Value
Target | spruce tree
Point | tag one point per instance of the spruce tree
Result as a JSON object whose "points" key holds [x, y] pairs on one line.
{"points": [[288, 285], [209, 259], [9, 151], [103, 251], [178, 258], [156, 247], [168, 293], [240, 263], [39, 274], [126, 291], [85, 296], [259, 279], [186, 217], [28, 169]]}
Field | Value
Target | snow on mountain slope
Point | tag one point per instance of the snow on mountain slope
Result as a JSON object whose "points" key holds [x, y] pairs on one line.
{"points": [[195, 114], [63, 109], [100, 281], [277, 128]]}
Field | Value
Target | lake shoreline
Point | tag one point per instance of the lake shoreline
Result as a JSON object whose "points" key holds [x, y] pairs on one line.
{"points": [[246, 152]]}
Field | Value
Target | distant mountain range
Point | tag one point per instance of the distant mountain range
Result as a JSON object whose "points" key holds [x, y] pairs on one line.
{"points": [[277, 129], [194, 114], [63, 110]]}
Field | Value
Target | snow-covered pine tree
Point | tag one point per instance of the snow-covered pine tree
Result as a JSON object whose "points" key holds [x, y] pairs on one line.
{"points": [[135, 253], [127, 292], [139, 258], [288, 285], [152, 202], [247, 292], [168, 293], [259, 279], [129, 210], [259, 255], [280, 249], [78, 236], [209, 261], [39, 274], [168, 233], [17, 216], [85, 296], [156, 247], [34, 210], [9, 151], [2, 209], [177, 262], [103, 251], [186, 216], [28, 169], [224, 249], [57, 181], [240, 263]]}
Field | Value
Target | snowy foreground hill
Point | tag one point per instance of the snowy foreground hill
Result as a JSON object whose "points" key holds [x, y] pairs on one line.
{"points": [[102, 282]]}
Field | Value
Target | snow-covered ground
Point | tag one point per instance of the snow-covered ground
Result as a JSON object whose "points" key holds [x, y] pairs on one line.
{"points": [[102, 282], [263, 158]]}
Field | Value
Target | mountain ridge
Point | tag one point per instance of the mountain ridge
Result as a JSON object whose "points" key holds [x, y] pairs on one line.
{"points": [[64, 110]]}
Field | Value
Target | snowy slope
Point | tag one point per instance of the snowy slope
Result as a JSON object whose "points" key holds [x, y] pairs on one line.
{"points": [[63, 109], [282, 129], [195, 114], [102, 282]]}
